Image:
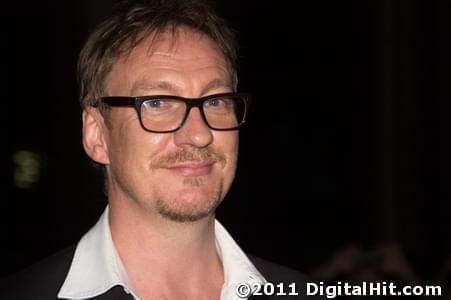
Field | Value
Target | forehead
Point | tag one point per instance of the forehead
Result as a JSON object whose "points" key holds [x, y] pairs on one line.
{"points": [[182, 42], [178, 55]]}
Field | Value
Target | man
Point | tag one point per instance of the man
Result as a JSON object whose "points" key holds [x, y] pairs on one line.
{"points": [[160, 115]]}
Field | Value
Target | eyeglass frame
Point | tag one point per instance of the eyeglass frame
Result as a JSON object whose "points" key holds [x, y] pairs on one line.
{"points": [[136, 102]]}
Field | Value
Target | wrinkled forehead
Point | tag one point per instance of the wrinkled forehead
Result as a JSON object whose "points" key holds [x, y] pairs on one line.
{"points": [[183, 51], [175, 42]]}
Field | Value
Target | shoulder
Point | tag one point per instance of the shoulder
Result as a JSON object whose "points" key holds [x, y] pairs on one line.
{"points": [[277, 274], [39, 281]]}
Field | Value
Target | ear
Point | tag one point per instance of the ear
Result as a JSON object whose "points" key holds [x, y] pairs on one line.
{"points": [[94, 133]]}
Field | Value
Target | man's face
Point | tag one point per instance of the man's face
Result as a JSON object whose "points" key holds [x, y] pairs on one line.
{"points": [[183, 175]]}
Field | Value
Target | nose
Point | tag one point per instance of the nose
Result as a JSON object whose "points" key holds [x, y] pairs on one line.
{"points": [[194, 132]]}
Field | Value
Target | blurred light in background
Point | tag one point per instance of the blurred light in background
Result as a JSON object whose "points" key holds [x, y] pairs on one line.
{"points": [[28, 168]]}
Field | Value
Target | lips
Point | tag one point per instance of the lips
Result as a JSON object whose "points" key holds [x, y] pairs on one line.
{"points": [[192, 168]]}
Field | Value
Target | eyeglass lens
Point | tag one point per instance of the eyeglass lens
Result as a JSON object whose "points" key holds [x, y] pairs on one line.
{"points": [[168, 114]]}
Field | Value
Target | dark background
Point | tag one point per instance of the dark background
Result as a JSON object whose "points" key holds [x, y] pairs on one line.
{"points": [[347, 140]]}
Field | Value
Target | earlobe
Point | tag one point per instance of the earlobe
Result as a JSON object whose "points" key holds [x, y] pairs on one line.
{"points": [[94, 141]]}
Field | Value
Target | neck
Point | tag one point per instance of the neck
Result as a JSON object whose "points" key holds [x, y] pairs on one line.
{"points": [[159, 253]]}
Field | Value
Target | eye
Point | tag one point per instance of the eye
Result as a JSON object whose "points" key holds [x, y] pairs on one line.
{"points": [[161, 106], [158, 104], [216, 102], [153, 103]]}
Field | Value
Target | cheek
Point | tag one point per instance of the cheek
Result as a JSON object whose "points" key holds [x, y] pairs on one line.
{"points": [[132, 146], [227, 142], [152, 142], [230, 149]]}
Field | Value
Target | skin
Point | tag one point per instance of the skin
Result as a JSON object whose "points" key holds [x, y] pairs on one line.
{"points": [[163, 188]]}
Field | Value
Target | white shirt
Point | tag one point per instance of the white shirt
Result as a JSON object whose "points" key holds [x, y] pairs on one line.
{"points": [[96, 267]]}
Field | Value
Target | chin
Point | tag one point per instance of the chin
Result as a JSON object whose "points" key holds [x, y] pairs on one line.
{"points": [[190, 203], [188, 209]]}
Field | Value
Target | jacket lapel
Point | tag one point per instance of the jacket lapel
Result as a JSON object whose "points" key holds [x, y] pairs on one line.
{"points": [[115, 293]]}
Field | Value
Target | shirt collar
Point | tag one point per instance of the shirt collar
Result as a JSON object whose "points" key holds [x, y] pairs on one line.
{"points": [[96, 266], [236, 265]]}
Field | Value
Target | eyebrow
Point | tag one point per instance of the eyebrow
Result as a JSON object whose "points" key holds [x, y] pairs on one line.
{"points": [[154, 85], [171, 88], [216, 84]]}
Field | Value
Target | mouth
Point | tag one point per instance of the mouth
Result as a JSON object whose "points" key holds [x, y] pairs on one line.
{"points": [[191, 168]]}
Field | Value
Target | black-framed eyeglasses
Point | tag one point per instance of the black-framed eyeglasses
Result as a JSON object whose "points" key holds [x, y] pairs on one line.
{"points": [[165, 114]]}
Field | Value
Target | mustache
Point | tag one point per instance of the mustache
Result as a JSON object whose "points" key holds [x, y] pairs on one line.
{"points": [[208, 155]]}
